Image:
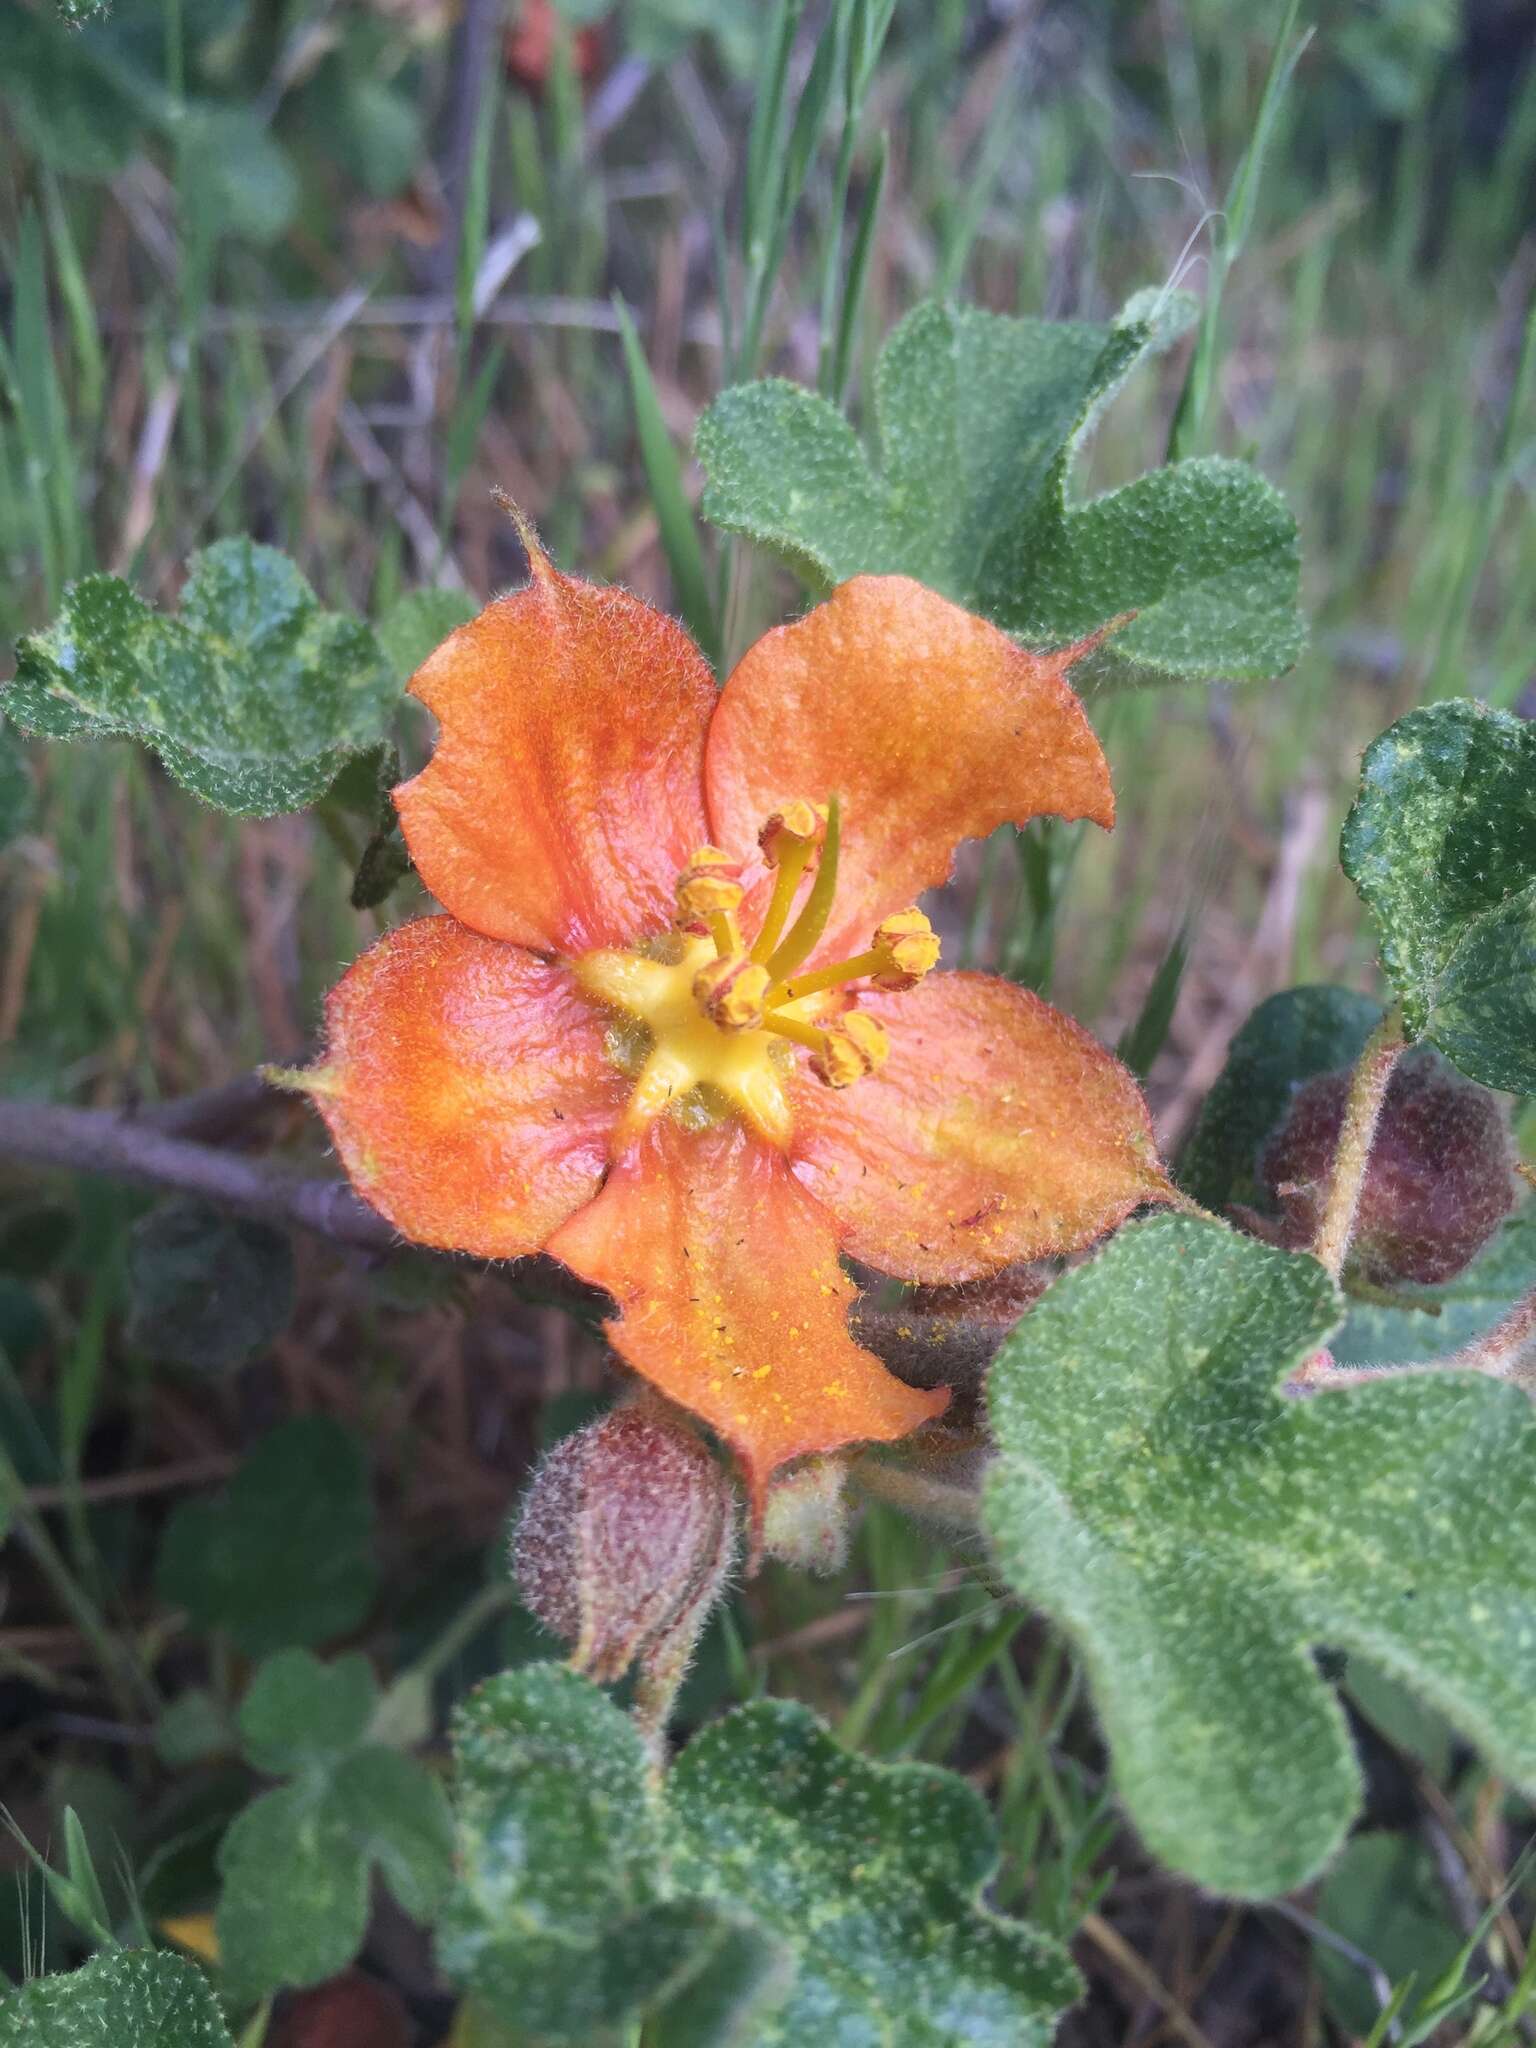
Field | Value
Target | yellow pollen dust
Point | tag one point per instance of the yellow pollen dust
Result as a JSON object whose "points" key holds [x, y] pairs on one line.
{"points": [[716, 1018]]}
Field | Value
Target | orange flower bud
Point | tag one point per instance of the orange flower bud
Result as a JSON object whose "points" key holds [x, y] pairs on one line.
{"points": [[731, 992], [852, 1046], [911, 945], [623, 1541], [797, 825]]}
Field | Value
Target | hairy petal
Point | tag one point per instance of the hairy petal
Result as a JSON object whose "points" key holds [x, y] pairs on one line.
{"points": [[930, 724], [465, 1087], [564, 793], [999, 1129], [732, 1300]]}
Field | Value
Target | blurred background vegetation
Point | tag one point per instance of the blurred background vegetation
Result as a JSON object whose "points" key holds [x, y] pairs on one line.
{"points": [[327, 272]]}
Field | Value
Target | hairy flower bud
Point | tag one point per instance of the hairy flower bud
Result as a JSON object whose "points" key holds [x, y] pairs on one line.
{"points": [[1439, 1181], [623, 1541], [806, 1521]]}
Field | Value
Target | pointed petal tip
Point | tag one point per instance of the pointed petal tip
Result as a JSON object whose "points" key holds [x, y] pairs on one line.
{"points": [[540, 568]]}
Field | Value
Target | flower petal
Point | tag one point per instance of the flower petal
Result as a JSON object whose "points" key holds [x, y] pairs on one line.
{"points": [[466, 1090], [732, 1300], [999, 1129], [564, 793], [929, 723]]}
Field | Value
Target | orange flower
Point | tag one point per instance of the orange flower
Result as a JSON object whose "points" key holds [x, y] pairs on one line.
{"points": [[678, 1029]]}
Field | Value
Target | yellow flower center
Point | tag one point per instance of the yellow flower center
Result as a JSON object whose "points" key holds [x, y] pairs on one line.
{"points": [[705, 1023]]}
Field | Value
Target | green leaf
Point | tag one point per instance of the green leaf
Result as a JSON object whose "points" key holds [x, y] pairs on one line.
{"points": [[299, 1711], [243, 177], [1287, 1039], [69, 107], [1196, 1534], [207, 1290], [978, 419], [252, 698], [418, 623], [285, 1555], [777, 1890], [18, 794], [871, 1874], [130, 1998], [1441, 844], [1452, 1315], [1382, 1897], [297, 1863]]}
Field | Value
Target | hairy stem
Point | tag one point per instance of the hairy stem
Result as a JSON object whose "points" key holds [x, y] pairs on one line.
{"points": [[1362, 1112]]}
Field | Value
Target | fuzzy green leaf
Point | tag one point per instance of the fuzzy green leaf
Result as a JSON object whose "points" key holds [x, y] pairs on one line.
{"points": [[871, 1874], [206, 1290], [418, 623], [1441, 843], [978, 419], [1286, 1040], [285, 1555], [129, 1998], [68, 104], [18, 795], [1197, 1534], [253, 696], [777, 1889], [297, 1862]]}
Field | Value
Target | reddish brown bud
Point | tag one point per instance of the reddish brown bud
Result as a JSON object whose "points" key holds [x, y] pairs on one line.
{"points": [[624, 1539], [1438, 1185]]}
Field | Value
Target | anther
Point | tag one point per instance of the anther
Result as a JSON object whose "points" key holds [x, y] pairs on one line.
{"points": [[730, 992], [799, 824], [710, 883], [910, 946], [852, 1046]]}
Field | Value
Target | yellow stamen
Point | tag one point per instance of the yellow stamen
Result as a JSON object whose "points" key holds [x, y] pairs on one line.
{"points": [[854, 1046], [812, 921], [827, 977], [809, 1035], [730, 991], [789, 841], [725, 932]]}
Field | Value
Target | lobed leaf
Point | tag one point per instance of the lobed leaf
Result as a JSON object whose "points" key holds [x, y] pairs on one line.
{"points": [[253, 697], [776, 1889], [978, 418], [1197, 1535], [1441, 844], [297, 1863], [127, 1998], [285, 1554]]}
